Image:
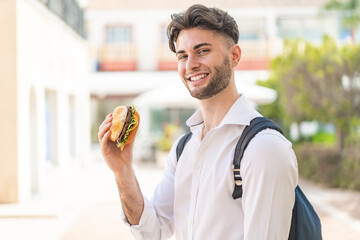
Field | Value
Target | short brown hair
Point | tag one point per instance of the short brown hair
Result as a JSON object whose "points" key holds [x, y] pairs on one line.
{"points": [[204, 18]]}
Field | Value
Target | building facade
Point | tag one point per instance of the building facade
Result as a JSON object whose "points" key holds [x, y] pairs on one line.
{"points": [[44, 97], [129, 47], [131, 35]]}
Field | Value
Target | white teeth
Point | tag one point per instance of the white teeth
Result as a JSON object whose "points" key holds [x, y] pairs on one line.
{"points": [[198, 77]]}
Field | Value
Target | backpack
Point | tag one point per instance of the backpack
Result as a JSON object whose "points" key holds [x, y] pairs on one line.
{"points": [[305, 223]]}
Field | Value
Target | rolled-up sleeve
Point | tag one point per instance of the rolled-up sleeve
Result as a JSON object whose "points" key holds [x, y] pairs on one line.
{"points": [[146, 229], [269, 172], [157, 220]]}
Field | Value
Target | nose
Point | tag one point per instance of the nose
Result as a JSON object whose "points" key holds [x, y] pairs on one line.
{"points": [[192, 63]]}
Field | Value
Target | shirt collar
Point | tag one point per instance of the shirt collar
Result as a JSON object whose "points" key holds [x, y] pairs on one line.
{"points": [[239, 113]]}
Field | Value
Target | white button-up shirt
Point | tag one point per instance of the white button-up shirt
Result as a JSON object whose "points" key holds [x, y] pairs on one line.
{"points": [[194, 199]]}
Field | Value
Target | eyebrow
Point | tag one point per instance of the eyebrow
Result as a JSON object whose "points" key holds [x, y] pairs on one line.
{"points": [[195, 47]]}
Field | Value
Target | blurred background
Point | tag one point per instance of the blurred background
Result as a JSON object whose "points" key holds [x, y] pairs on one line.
{"points": [[66, 64]]}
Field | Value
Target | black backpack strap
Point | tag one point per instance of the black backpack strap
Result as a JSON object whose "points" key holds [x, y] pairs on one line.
{"points": [[256, 125], [181, 145]]}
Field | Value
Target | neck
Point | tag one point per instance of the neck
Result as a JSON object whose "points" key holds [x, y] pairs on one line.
{"points": [[214, 109]]}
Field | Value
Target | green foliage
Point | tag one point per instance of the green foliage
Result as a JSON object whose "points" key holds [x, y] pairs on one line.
{"points": [[168, 137], [318, 83], [318, 163], [328, 166], [322, 83], [350, 168], [273, 110], [353, 139], [323, 138]]}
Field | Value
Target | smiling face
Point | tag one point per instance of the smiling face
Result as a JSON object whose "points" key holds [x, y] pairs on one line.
{"points": [[204, 62]]}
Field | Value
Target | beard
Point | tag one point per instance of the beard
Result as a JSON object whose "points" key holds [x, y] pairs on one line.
{"points": [[218, 82]]}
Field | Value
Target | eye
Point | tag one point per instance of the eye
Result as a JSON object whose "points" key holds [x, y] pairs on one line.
{"points": [[203, 51], [181, 57]]}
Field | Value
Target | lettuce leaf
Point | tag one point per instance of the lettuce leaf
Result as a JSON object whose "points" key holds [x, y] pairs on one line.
{"points": [[131, 127]]}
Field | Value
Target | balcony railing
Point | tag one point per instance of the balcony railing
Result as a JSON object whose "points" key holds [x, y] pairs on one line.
{"points": [[255, 54], [69, 11], [166, 58], [117, 57]]}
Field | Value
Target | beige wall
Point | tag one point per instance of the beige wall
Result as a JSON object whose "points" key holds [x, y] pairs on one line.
{"points": [[53, 61], [39, 55], [8, 103]]}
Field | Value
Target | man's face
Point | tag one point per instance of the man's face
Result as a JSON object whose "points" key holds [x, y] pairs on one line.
{"points": [[203, 62]]}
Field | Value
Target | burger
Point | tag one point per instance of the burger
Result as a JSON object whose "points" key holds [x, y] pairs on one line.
{"points": [[124, 125]]}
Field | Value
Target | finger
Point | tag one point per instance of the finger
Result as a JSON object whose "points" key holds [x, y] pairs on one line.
{"points": [[105, 137], [106, 121], [103, 130], [109, 115]]}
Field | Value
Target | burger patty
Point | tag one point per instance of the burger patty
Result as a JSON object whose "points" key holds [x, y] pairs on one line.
{"points": [[126, 125]]}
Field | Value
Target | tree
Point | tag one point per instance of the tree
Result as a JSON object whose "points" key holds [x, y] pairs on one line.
{"points": [[320, 83], [350, 12], [274, 111]]}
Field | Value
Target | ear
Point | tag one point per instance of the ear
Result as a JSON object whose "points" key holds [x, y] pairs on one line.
{"points": [[235, 55]]}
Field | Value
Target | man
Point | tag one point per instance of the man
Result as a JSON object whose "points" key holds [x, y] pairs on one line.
{"points": [[194, 199]]}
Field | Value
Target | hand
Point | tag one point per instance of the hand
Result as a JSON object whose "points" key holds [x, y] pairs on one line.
{"points": [[117, 160]]}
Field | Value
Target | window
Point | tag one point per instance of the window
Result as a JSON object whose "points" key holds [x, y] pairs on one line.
{"points": [[309, 28], [118, 34], [251, 29]]}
